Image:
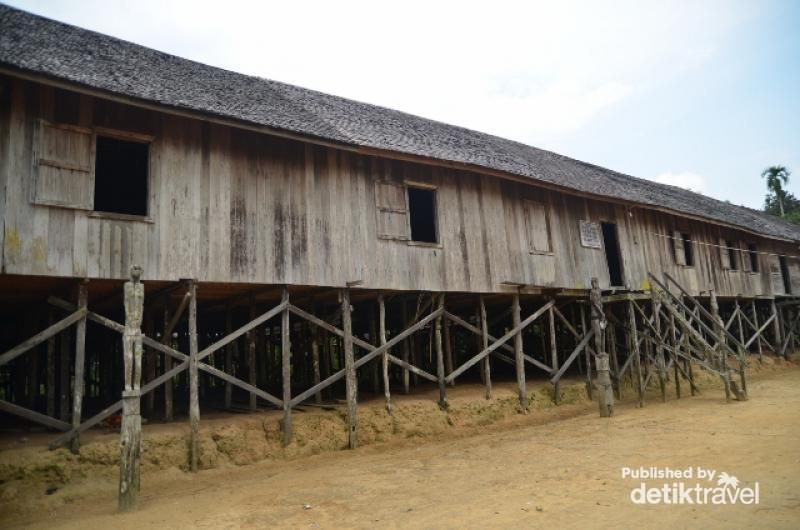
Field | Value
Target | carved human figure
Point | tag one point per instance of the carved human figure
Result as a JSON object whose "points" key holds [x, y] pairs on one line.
{"points": [[597, 317], [132, 338]]}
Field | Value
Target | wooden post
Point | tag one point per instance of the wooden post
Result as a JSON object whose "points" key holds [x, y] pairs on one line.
{"points": [[553, 353], [251, 353], [755, 324], [80, 353], [587, 355], [350, 371], [605, 390], [167, 339], [50, 371], [440, 357], [406, 345], [315, 362], [63, 373], [722, 355], [448, 350], [487, 367], [673, 336], [373, 338], [33, 366], [229, 353], [286, 370], [742, 352], [194, 400], [776, 326], [655, 300], [689, 367], [131, 426], [150, 365], [519, 360], [635, 351], [385, 355], [612, 343]]}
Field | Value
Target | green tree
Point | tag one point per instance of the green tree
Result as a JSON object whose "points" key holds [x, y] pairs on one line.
{"points": [[777, 177]]}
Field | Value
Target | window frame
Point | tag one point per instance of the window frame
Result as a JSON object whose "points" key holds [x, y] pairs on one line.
{"points": [[93, 132], [752, 255], [548, 225], [126, 136], [434, 189]]}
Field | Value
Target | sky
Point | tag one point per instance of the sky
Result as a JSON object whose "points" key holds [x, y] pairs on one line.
{"points": [[699, 94]]}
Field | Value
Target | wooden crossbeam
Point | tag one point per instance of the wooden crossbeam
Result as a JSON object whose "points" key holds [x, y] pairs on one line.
{"points": [[34, 416], [42, 336], [759, 331], [499, 342], [466, 325], [578, 348]]}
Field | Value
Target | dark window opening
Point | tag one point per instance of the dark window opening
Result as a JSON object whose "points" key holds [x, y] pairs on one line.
{"points": [[422, 213], [753, 257], [613, 258], [120, 179], [733, 255], [687, 250], [787, 283]]}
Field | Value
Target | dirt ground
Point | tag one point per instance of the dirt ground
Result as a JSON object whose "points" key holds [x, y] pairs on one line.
{"points": [[522, 471]]}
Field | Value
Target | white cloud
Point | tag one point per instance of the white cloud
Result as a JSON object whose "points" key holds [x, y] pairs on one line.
{"points": [[684, 179]]}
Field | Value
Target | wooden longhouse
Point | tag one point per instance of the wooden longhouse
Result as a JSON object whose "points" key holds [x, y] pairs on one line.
{"points": [[299, 246]]}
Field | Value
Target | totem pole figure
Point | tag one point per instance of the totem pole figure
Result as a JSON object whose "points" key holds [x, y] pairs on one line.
{"points": [[132, 339], [605, 389], [131, 429]]}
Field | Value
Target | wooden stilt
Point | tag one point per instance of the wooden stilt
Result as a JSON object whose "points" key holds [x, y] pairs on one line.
{"points": [[251, 355], [553, 353], [755, 324], [80, 352], [63, 374], [634, 337], [673, 341], [406, 346], [286, 370], [519, 360], [350, 371], [587, 355], [33, 368], [721, 353], [194, 399], [448, 349], [612, 347], [385, 355], [168, 385], [50, 371], [150, 362], [655, 300], [440, 357], [374, 369], [743, 354], [229, 354], [487, 367], [776, 326]]}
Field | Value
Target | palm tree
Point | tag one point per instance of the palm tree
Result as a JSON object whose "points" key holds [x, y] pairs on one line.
{"points": [[777, 177], [726, 481]]}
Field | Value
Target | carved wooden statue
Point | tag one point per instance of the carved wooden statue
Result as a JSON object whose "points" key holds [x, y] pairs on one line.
{"points": [[131, 429], [606, 393], [132, 339]]}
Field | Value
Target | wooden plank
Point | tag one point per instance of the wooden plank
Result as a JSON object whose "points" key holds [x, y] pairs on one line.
{"points": [[385, 357], [80, 365], [42, 336], [194, 399], [34, 416], [499, 342], [487, 367], [350, 370], [286, 368]]}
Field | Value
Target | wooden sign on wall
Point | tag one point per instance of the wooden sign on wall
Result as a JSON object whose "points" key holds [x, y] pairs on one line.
{"points": [[590, 234]]}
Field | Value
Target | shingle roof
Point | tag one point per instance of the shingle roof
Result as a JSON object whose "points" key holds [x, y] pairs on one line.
{"points": [[45, 47]]}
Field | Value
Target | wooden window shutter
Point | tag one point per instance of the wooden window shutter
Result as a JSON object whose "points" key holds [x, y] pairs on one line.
{"points": [[392, 211], [724, 256], [64, 167], [538, 226], [744, 256], [677, 245]]}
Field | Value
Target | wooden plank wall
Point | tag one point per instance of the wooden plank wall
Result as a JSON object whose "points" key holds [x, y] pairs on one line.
{"points": [[228, 205]]}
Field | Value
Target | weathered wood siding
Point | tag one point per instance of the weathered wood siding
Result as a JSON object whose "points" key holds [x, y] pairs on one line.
{"points": [[228, 205]]}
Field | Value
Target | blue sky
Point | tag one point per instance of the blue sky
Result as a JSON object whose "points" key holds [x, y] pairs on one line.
{"points": [[699, 94]]}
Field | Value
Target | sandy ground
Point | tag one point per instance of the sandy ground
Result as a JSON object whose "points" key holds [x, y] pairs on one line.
{"points": [[519, 473]]}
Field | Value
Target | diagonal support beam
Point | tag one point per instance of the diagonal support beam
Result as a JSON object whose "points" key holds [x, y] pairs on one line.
{"points": [[34, 416], [499, 342], [580, 346], [42, 336]]}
